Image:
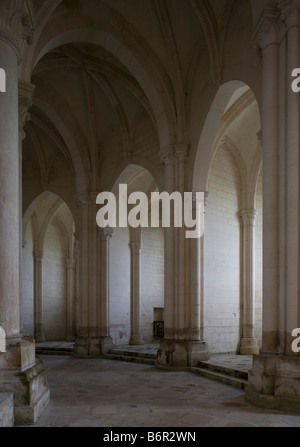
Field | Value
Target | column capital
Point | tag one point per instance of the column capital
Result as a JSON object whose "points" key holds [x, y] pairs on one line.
{"points": [[181, 150], [17, 22], [290, 12], [70, 263], [248, 217], [106, 234], [26, 91], [87, 197], [167, 155], [266, 31], [38, 255]]}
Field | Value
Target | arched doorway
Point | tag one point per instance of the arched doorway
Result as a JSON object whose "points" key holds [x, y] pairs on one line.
{"points": [[137, 270], [49, 270]]}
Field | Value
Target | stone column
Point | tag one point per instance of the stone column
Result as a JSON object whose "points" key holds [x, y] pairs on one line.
{"points": [[274, 379], [182, 345], [248, 342], [93, 282], [9, 191], [291, 20], [70, 295], [136, 333], [181, 302], [20, 372], [87, 341], [267, 38], [168, 160], [38, 297], [26, 91], [197, 270], [105, 338]]}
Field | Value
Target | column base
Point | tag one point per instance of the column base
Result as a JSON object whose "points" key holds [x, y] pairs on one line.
{"points": [[106, 344], [249, 346], [136, 339], [87, 347], [92, 347], [181, 354], [274, 382], [23, 374]]}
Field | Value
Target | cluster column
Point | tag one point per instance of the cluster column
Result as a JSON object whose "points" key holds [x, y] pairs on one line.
{"points": [[9, 194], [274, 379], [93, 337], [20, 371], [26, 91], [182, 345]]}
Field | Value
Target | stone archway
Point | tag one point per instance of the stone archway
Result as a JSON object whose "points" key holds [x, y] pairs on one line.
{"points": [[137, 257], [49, 263], [232, 126]]}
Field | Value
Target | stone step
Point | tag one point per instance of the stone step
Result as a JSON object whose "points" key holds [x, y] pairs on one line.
{"points": [[130, 358], [218, 376], [146, 355], [233, 372], [53, 351]]}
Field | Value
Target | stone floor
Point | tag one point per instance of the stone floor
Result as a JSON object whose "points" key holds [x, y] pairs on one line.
{"points": [[239, 362], [106, 393]]}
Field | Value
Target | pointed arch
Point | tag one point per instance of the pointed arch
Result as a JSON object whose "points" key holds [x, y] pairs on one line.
{"points": [[121, 39]]}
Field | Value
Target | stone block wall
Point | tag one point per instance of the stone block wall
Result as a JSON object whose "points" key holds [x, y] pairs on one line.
{"points": [[120, 287], [152, 278], [222, 256], [54, 285], [152, 283]]}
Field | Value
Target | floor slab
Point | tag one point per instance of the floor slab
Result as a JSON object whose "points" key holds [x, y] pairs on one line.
{"points": [[105, 393]]}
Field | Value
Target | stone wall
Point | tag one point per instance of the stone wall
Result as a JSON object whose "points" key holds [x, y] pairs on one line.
{"points": [[152, 283], [120, 287], [152, 278], [54, 285], [222, 256]]}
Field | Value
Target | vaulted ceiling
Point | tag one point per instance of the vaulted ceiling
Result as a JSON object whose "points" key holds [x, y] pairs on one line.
{"points": [[118, 81]]}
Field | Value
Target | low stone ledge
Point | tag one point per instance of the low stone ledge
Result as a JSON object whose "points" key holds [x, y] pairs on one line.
{"points": [[6, 409]]}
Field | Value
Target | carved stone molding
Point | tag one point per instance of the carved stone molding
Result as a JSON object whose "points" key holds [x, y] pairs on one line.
{"points": [[266, 30], [289, 10], [248, 217], [17, 22], [181, 150], [26, 91], [106, 234], [167, 156]]}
